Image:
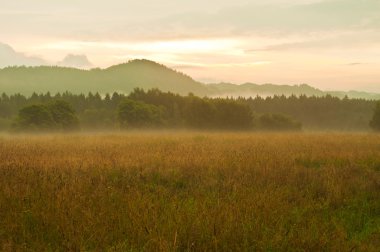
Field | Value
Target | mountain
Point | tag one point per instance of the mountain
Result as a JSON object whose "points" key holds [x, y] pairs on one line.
{"points": [[76, 61], [121, 78], [355, 94], [142, 74], [251, 89], [9, 57]]}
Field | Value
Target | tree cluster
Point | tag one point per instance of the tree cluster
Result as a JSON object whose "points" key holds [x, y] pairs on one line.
{"points": [[58, 115], [156, 109], [318, 113], [174, 111]]}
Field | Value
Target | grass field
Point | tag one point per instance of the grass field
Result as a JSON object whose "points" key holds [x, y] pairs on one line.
{"points": [[190, 192]]}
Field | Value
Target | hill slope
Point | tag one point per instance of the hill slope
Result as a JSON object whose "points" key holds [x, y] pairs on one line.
{"points": [[143, 74], [122, 78]]}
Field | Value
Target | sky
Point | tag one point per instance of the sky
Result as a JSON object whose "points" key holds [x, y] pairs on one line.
{"points": [[329, 44]]}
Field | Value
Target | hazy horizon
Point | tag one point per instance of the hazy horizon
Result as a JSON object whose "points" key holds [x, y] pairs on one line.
{"points": [[328, 44]]}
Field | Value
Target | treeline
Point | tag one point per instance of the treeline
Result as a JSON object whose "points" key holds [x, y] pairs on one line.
{"points": [[319, 113], [139, 109], [55, 116], [156, 109]]}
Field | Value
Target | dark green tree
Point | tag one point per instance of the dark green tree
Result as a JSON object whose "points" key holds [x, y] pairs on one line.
{"points": [[199, 113], [63, 115], [135, 114], [375, 122], [58, 115], [278, 122], [34, 118], [232, 115]]}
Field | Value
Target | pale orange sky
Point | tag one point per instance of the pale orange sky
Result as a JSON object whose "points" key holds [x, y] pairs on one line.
{"points": [[330, 44]]}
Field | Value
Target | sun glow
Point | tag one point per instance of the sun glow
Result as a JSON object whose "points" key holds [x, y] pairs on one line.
{"points": [[173, 52], [191, 46], [173, 46]]}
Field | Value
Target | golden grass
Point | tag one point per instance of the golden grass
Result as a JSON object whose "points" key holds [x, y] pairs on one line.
{"points": [[190, 192]]}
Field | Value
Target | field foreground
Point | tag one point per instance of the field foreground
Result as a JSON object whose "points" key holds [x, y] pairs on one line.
{"points": [[190, 191]]}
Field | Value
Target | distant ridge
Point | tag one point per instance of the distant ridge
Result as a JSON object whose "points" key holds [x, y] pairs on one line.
{"points": [[121, 78], [142, 74], [251, 89]]}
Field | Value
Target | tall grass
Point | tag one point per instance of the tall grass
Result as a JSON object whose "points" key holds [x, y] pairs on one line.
{"points": [[190, 192]]}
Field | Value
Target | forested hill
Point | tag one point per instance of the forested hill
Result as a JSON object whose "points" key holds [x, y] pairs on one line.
{"points": [[120, 78], [144, 74]]}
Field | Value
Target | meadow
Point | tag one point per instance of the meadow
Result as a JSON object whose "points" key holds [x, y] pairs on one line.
{"points": [[190, 191]]}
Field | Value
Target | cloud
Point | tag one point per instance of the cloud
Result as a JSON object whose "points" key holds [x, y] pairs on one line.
{"points": [[337, 40], [76, 61], [356, 64], [277, 40], [167, 19], [9, 57], [266, 20], [296, 24], [188, 66]]}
